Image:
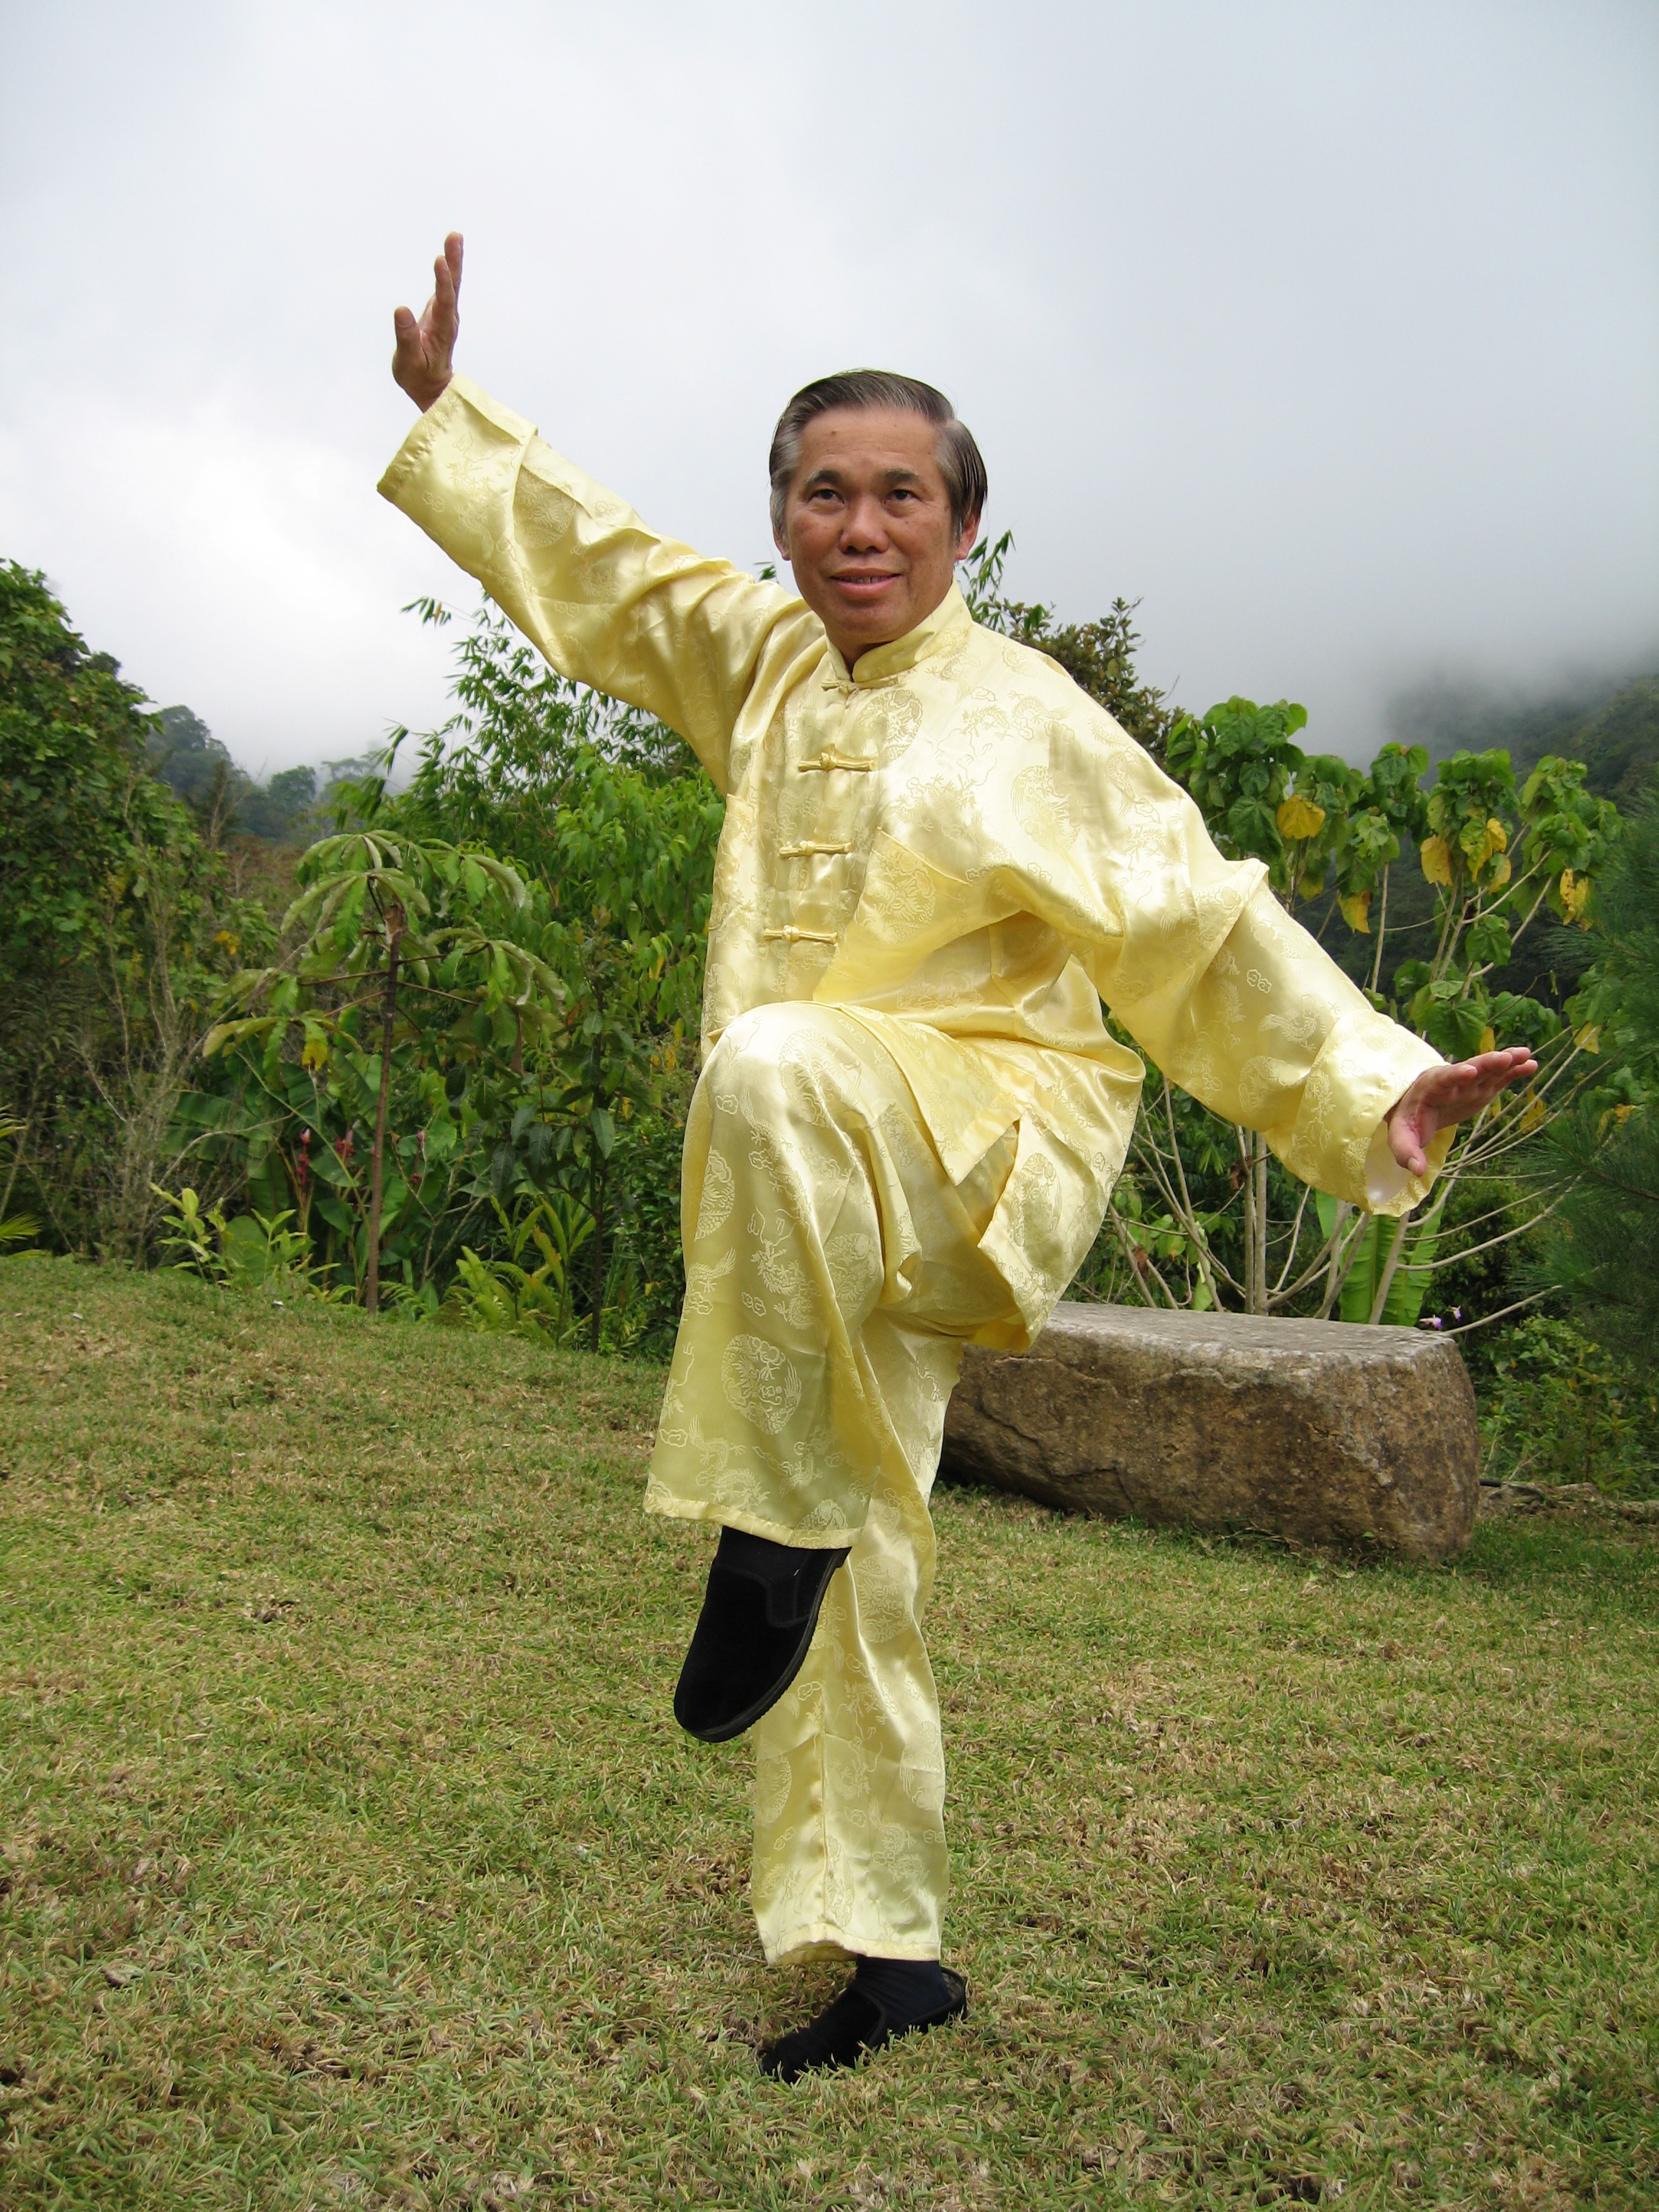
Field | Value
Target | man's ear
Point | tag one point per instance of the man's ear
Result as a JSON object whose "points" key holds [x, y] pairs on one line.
{"points": [[968, 539], [783, 550]]}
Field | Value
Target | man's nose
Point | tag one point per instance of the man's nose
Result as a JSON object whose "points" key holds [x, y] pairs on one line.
{"points": [[865, 527]]}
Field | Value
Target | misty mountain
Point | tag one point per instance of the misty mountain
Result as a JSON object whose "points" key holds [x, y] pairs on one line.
{"points": [[1611, 724], [189, 759]]}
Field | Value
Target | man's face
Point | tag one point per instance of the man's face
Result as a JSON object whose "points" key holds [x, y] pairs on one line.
{"points": [[867, 525]]}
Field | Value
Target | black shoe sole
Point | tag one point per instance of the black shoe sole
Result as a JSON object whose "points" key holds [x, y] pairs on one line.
{"points": [[742, 1721], [780, 2063]]}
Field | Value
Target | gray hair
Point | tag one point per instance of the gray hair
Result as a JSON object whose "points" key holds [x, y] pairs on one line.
{"points": [[959, 461]]}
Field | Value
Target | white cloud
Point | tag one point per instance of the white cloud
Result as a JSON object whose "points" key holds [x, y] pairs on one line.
{"points": [[238, 568], [1332, 332]]}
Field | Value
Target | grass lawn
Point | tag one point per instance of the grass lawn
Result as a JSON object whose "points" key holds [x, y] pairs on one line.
{"points": [[351, 1856]]}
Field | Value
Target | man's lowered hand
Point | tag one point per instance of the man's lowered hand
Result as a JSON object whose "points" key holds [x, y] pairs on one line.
{"points": [[421, 363], [1441, 1096]]}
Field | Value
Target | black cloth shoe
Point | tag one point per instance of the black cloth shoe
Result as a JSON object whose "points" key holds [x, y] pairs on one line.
{"points": [[758, 1615], [844, 2031]]}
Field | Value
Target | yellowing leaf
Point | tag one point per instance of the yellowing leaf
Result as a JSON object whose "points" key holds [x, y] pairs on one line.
{"points": [[1494, 838], [1574, 895], [1589, 1039], [315, 1055], [1500, 875], [1532, 1116], [1488, 1039], [1357, 912], [1437, 860], [1298, 819]]}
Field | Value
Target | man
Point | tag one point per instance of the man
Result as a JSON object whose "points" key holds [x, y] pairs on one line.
{"points": [[939, 857]]}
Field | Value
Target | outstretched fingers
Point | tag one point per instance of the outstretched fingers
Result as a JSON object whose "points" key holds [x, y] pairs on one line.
{"points": [[443, 308], [1472, 1084], [1443, 1095]]}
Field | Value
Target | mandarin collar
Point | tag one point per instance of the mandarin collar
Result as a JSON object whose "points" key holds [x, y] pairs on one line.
{"points": [[882, 662]]}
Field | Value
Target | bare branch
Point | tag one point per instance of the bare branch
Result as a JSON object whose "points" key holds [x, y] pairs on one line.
{"points": [[1132, 1250], [1491, 1245], [1295, 1231], [1487, 1320]]}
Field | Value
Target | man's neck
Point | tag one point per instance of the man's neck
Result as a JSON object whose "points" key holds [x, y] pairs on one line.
{"points": [[853, 649]]}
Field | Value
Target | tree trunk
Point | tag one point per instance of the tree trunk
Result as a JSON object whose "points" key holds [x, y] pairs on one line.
{"points": [[21, 1134], [1259, 1184], [1335, 1275], [1255, 1150], [377, 1152], [1382, 925], [599, 1256]]}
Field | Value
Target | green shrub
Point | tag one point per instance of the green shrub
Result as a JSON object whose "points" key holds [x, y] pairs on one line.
{"points": [[1559, 1407]]}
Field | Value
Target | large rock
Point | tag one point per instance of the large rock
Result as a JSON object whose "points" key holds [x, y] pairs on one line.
{"points": [[1317, 1430]]}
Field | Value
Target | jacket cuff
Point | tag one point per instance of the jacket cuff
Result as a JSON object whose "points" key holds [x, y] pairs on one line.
{"points": [[1340, 1141], [460, 397], [1388, 1189]]}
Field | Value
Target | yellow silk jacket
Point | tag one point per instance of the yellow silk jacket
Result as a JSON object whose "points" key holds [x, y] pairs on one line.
{"points": [[951, 842]]}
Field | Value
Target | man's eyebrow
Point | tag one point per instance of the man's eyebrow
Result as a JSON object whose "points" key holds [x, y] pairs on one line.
{"points": [[828, 473]]}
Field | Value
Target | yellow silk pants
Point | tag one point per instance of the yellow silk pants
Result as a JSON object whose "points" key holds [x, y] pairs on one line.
{"points": [[833, 1273]]}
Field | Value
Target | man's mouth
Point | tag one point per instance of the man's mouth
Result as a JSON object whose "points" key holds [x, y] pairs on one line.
{"points": [[864, 583]]}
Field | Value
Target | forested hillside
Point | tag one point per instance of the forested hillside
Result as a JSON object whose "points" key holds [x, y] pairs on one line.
{"points": [[1613, 729]]}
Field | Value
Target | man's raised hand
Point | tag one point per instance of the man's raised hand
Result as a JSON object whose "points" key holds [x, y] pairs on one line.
{"points": [[1443, 1095], [422, 361]]}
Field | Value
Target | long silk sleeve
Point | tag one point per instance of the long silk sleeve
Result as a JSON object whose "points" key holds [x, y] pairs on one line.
{"points": [[1195, 957], [1272, 1034], [608, 601]]}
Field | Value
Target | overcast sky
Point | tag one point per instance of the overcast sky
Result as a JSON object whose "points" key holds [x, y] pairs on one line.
{"points": [[1330, 331]]}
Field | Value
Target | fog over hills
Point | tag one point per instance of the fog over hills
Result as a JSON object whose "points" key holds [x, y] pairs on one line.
{"points": [[1610, 722], [1331, 333]]}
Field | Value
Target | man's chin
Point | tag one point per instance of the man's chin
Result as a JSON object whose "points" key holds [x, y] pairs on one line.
{"points": [[868, 609], [873, 621]]}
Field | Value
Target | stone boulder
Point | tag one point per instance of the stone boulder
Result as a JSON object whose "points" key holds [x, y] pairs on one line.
{"points": [[1320, 1431]]}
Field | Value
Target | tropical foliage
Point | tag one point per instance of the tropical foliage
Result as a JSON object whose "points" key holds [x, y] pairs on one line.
{"points": [[440, 1064], [1600, 1256], [1497, 857], [118, 926], [476, 1033]]}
